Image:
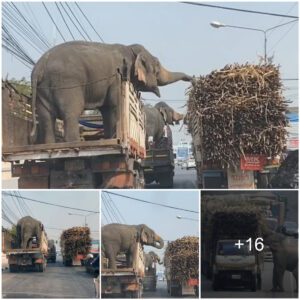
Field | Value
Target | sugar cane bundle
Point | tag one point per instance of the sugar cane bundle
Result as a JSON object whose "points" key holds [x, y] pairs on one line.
{"points": [[75, 240], [182, 258], [224, 215], [238, 110]]}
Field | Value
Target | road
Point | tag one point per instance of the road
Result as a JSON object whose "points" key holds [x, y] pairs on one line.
{"points": [[56, 282], [183, 179], [235, 292], [161, 292]]}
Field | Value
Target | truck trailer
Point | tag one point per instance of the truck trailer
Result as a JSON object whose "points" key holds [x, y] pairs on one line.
{"points": [[93, 162], [29, 259], [124, 281]]}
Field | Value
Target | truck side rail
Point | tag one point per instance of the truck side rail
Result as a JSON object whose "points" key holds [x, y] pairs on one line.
{"points": [[62, 150]]}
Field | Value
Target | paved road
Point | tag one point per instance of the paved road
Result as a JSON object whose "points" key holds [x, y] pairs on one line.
{"points": [[161, 292], [183, 179], [235, 292], [56, 282]]}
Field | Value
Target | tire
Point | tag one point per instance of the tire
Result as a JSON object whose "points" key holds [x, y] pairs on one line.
{"points": [[13, 268]]}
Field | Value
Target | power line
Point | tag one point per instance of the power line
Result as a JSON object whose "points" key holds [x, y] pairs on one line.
{"points": [[112, 210], [78, 21], [282, 37], [53, 21], [64, 20], [121, 216], [241, 10], [89, 22], [52, 204], [153, 203]]}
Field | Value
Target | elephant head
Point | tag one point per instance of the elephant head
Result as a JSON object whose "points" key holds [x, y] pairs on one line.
{"points": [[149, 237], [150, 74], [169, 114], [155, 257]]}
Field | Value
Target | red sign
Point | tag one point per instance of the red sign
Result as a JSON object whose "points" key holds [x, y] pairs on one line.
{"points": [[193, 281], [253, 162]]}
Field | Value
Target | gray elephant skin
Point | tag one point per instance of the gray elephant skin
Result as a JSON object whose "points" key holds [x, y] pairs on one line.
{"points": [[81, 75], [157, 117], [285, 257], [120, 238], [27, 229], [150, 258]]}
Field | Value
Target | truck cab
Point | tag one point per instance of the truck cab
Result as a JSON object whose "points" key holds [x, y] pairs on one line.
{"points": [[235, 265]]}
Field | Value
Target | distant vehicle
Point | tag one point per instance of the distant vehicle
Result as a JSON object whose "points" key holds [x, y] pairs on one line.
{"points": [[191, 163], [288, 228]]}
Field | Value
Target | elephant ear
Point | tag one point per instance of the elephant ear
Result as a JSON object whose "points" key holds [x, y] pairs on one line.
{"points": [[140, 68], [164, 114], [143, 236]]}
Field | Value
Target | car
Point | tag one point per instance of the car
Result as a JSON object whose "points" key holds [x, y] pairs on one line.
{"points": [[288, 228], [92, 264], [190, 163]]}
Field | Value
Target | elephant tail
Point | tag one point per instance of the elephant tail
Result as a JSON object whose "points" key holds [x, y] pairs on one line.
{"points": [[33, 105]]}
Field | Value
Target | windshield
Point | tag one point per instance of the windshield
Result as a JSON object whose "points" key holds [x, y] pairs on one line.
{"points": [[228, 248]]}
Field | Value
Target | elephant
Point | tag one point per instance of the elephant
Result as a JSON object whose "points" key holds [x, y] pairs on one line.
{"points": [[150, 258], [285, 257], [156, 118], [79, 75], [117, 238], [28, 228]]}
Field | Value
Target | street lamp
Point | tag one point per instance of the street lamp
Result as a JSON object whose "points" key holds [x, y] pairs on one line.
{"points": [[85, 223], [217, 24], [180, 217]]}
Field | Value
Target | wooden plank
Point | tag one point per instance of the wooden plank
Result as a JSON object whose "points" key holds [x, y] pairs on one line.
{"points": [[61, 146]]}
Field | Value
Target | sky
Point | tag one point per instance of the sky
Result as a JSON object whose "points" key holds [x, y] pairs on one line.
{"points": [[181, 37], [55, 219], [162, 220]]}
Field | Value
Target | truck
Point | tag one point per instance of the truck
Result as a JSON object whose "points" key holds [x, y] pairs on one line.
{"points": [[33, 258], [75, 244], [93, 162], [158, 164], [51, 256], [222, 259], [124, 281], [181, 262]]}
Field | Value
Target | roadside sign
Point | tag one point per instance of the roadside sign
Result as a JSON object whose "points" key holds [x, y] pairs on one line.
{"points": [[253, 162]]}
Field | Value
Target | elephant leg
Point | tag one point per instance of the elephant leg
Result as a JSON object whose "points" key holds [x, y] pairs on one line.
{"points": [[278, 274], [70, 105], [109, 116], [295, 273], [111, 254], [46, 122]]}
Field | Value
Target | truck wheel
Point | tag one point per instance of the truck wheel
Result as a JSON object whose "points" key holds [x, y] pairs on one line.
{"points": [[13, 268]]}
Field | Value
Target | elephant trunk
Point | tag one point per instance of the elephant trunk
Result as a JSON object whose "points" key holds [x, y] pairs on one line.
{"points": [[159, 243], [165, 77]]}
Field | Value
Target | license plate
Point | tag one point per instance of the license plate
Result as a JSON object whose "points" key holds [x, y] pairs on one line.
{"points": [[236, 276]]}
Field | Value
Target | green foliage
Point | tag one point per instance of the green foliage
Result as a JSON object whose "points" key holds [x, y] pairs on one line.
{"points": [[22, 86]]}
